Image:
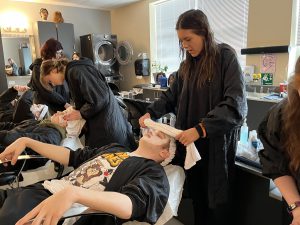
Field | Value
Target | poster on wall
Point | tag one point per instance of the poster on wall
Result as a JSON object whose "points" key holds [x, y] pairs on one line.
{"points": [[268, 63]]}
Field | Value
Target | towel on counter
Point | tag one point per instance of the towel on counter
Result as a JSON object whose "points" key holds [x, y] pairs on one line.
{"points": [[192, 154]]}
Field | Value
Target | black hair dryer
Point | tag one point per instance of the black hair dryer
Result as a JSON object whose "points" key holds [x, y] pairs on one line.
{"points": [[142, 65]]}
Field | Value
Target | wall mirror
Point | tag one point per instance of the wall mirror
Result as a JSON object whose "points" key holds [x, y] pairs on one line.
{"points": [[21, 49]]}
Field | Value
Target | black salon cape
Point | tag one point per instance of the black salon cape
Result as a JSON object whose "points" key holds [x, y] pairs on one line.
{"points": [[274, 159], [142, 180], [55, 99], [20, 111], [98, 106], [9, 132], [221, 105]]}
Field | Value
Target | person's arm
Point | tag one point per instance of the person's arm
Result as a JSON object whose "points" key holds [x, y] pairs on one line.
{"points": [[57, 153], [95, 97], [231, 111], [288, 189], [110, 202]]}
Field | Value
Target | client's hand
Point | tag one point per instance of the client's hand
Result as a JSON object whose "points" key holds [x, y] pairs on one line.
{"points": [[51, 209], [142, 118], [12, 151], [73, 115]]}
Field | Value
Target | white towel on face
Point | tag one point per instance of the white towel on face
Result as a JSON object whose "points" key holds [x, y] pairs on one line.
{"points": [[192, 154]]}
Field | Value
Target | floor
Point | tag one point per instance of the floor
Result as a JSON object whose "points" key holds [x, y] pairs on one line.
{"points": [[17, 80]]}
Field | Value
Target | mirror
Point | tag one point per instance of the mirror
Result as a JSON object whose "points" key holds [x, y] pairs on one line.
{"points": [[20, 49]]}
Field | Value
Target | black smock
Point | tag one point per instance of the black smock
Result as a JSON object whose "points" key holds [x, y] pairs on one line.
{"points": [[20, 111], [143, 180], [274, 159], [221, 105], [55, 99], [91, 94]]}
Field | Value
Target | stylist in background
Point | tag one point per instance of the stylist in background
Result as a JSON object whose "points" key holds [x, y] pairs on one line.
{"points": [[280, 158], [59, 98], [94, 101], [208, 98]]}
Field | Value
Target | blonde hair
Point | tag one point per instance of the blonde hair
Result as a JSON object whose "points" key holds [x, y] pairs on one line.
{"points": [[49, 65], [57, 17]]}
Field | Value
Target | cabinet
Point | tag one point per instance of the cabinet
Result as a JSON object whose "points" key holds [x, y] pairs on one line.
{"points": [[63, 32]]}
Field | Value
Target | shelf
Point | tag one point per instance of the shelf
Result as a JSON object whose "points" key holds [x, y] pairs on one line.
{"points": [[264, 50]]}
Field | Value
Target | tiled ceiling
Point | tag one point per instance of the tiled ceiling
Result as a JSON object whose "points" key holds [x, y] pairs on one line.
{"points": [[95, 4]]}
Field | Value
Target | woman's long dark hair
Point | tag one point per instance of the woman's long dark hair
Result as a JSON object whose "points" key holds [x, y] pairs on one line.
{"points": [[291, 120], [197, 21]]}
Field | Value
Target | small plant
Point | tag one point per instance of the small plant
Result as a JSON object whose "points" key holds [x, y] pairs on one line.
{"points": [[157, 67]]}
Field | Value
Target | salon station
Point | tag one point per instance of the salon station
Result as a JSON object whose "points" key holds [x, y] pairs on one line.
{"points": [[134, 45]]}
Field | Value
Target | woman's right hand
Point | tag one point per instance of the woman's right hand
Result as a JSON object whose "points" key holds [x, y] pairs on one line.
{"points": [[12, 151], [142, 119], [296, 217]]}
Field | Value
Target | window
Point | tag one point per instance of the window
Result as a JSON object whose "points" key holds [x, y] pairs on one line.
{"points": [[164, 41], [298, 24], [228, 19], [229, 22]]}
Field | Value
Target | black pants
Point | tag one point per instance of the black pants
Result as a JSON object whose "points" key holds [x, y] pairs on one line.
{"points": [[16, 203], [197, 182]]}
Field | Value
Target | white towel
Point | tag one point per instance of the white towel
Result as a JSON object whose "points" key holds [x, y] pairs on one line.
{"points": [[192, 154]]}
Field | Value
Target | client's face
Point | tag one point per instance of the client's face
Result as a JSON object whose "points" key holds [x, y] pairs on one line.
{"points": [[58, 119], [156, 139]]}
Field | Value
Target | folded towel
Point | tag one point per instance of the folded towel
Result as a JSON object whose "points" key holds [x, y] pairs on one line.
{"points": [[192, 154]]}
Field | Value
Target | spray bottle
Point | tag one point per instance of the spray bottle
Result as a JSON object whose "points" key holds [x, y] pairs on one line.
{"points": [[244, 133]]}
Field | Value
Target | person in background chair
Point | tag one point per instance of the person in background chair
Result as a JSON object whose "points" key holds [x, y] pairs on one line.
{"points": [[135, 184], [75, 56], [44, 14], [280, 158], [15, 68]]}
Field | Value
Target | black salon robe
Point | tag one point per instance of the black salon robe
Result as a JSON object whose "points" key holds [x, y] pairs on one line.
{"points": [[98, 106], [37, 130], [221, 105], [55, 99], [274, 159], [20, 111]]}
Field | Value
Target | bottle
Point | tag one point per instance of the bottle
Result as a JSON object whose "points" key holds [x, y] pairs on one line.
{"points": [[244, 133]]}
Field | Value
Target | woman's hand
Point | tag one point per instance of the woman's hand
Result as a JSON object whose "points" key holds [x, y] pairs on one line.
{"points": [[188, 136], [12, 151], [49, 211], [142, 119], [21, 88], [73, 115]]}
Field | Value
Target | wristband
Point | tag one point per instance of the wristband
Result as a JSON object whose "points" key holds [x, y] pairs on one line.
{"points": [[199, 130]]}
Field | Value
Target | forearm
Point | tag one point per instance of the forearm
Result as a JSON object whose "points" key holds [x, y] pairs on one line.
{"points": [[57, 153], [288, 188], [114, 203]]}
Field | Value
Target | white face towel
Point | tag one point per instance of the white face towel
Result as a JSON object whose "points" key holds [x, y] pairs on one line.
{"points": [[192, 154]]}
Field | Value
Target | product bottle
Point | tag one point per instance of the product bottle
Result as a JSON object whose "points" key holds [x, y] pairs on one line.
{"points": [[244, 133]]}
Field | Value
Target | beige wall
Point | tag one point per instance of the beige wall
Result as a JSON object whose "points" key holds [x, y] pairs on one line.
{"points": [[131, 23], [269, 24]]}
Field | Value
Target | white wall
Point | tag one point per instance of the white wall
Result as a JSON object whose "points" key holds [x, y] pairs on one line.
{"points": [[85, 20]]}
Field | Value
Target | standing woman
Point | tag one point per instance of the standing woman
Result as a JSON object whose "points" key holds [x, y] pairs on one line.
{"points": [[208, 98], [94, 101], [58, 99], [280, 158]]}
